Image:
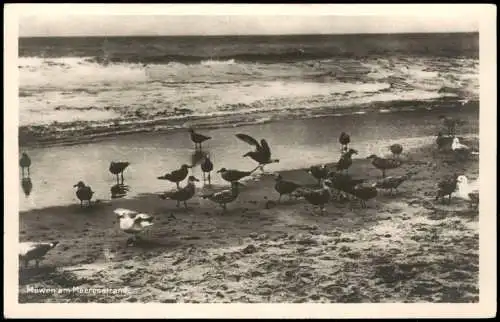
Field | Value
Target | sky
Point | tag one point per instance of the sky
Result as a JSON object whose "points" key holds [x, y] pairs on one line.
{"points": [[163, 25]]}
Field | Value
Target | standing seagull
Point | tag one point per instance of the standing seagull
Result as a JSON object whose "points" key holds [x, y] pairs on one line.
{"points": [[346, 160], [396, 150], [134, 223], [285, 187], [25, 162], [384, 164], [446, 188], [178, 175], [318, 172], [117, 168], [206, 167], [462, 149], [344, 140], [319, 197], [183, 194], [198, 138], [83, 193], [34, 251], [234, 175], [262, 153]]}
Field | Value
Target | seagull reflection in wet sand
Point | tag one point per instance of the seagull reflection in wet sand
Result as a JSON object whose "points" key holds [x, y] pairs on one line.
{"points": [[119, 190], [27, 186]]}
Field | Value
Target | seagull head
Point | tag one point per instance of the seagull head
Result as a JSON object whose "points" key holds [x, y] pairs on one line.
{"points": [[192, 179], [222, 170], [80, 184]]}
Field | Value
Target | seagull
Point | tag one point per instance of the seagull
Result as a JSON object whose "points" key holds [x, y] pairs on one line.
{"points": [[346, 160], [225, 196], [393, 182], [34, 251], [318, 172], [285, 187], [344, 140], [206, 167], [182, 194], [343, 182], [468, 191], [396, 149], [318, 197], [134, 223], [234, 175], [462, 149], [384, 164], [364, 193], [117, 168], [446, 188], [27, 186], [198, 138], [83, 193], [25, 162], [177, 175], [262, 153]]}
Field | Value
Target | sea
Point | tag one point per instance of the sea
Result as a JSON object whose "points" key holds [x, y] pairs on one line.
{"points": [[85, 87]]}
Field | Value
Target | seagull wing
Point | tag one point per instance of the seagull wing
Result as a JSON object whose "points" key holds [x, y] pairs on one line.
{"points": [[248, 139], [125, 212], [265, 148]]}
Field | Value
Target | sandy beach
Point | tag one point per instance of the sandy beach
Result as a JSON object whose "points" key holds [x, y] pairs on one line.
{"points": [[402, 248]]}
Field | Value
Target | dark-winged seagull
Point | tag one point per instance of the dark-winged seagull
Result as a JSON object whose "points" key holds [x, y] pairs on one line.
{"points": [[25, 162], [345, 160], [396, 150], [318, 197], [183, 194], [232, 175], [384, 164], [198, 138], [284, 187], [446, 188], [344, 140], [83, 193], [117, 169], [178, 175], [207, 167], [262, 153], [225, 196]]}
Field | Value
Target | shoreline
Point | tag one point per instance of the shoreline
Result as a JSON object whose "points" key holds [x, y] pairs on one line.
{"points": [[74, 133]]}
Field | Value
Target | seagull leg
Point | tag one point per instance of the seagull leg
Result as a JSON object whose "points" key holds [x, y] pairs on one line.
{"points": [[279, 199], [185, 205], [122, 177], [178, 204], [177, 183], [28, 171], [81, 203], [209, 179], [204, 178]]}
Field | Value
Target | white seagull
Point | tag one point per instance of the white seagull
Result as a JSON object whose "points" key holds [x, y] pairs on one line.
{"points": [[133, 222], [462, 148], [34, 251]]}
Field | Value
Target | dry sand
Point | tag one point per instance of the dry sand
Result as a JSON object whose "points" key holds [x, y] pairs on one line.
{"points": [[402, 248]]}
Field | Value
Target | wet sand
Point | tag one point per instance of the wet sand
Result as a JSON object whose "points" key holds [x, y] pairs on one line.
{"points": [[402, 248], [296, 143]]}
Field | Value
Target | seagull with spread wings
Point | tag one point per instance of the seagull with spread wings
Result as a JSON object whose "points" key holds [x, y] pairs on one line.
{"points": [[262, 153]]}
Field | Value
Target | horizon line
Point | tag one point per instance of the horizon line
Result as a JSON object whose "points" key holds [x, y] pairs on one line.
{"points": [[261, 35]]}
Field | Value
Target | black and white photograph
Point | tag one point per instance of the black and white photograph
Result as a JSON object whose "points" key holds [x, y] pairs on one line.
{"points": [[251, 157]]}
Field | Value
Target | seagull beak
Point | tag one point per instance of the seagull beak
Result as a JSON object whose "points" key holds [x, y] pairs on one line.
{"points": [[74, 186]]}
